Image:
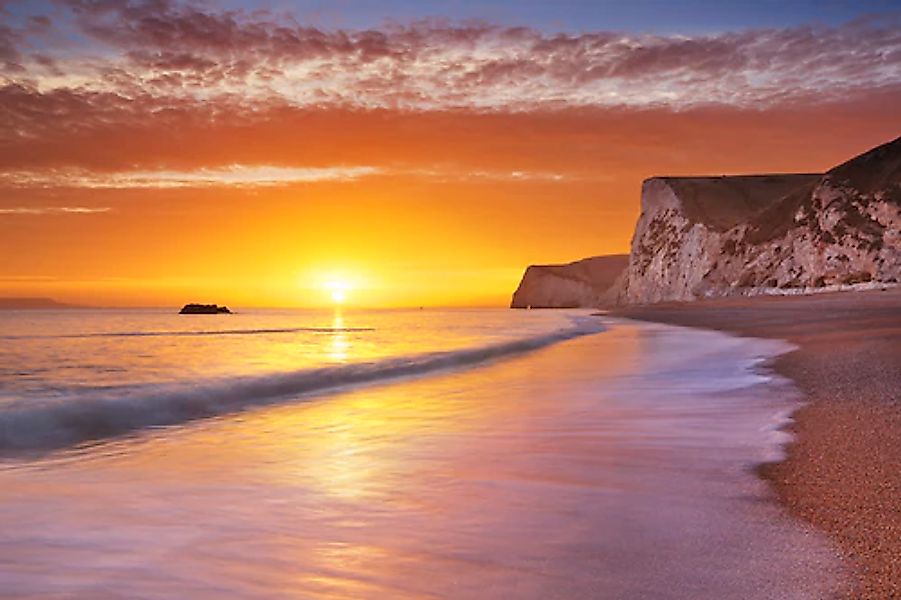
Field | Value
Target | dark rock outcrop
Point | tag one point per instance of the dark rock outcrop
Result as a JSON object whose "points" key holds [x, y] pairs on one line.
{"points": [[203, 309]]}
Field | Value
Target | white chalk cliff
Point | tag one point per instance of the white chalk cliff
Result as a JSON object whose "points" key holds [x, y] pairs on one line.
{"points": [[720, 236], [702, 237]]}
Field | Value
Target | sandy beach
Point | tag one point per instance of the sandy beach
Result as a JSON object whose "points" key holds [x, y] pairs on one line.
{"points": [[843, 472]]}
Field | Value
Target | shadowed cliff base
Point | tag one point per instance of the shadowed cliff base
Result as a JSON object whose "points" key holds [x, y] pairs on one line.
{"points": [[841, 474]]}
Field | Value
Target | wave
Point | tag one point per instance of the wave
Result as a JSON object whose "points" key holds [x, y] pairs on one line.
{"points": [[115, 334], [101, 413]]}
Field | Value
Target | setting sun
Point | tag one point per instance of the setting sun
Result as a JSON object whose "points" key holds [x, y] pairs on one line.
{"points": [[337, 290]]}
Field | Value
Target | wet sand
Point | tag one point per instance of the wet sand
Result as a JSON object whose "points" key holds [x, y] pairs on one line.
{"points": [[843, 473]]}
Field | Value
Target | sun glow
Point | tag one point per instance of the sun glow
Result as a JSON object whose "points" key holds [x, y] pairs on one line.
{"points": [[332, 287], [337, 290]]}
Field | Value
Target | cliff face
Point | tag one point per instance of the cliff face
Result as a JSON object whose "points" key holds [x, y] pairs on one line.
{"points": [[716, 236], [586, 283]]}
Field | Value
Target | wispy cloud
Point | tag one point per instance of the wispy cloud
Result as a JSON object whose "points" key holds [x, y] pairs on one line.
{"points": [[234, 175], [463, 174], [248, 176], [53, 210]]}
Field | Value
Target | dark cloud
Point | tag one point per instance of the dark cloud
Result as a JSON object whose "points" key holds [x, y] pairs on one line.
{"points": [[9, 52]]}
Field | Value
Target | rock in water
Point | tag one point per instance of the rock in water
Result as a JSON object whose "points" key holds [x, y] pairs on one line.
{"points": [[590, 282], [203, 309]]}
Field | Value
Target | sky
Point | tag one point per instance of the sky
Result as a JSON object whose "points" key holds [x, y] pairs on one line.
{"points": [[158, 152]]}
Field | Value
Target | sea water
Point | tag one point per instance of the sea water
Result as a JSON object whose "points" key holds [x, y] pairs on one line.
{"points": [[391, 454]]}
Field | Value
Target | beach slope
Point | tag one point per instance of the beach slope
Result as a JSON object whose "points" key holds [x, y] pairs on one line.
{"points": [[843, 473]]}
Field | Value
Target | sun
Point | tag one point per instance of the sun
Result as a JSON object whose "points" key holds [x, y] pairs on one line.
{"points": [[337, 289], [333, 287]]}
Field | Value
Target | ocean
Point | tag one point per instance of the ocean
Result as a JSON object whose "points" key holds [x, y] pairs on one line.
{"points": [[391, 454]]}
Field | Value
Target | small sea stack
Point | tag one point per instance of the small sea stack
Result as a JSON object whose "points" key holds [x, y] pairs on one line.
{"points": [[203, 309]]}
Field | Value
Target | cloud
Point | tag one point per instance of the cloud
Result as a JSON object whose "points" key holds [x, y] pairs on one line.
{"points": [[177, 53], [245, 176], [123, 86], [9, 53], [53, 210], [234, 175], [463, 174]]}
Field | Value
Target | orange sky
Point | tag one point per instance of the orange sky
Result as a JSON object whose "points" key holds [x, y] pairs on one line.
{"points": [[445, 223], [115, 196]]}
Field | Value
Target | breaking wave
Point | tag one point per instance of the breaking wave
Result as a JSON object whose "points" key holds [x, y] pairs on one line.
{"points": [[94, 414]]}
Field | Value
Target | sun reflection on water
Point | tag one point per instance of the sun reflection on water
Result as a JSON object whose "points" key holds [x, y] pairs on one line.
{"points": [[340, 346]]}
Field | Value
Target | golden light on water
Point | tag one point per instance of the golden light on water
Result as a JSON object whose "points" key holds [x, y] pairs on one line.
{"points": [[340, 348]]}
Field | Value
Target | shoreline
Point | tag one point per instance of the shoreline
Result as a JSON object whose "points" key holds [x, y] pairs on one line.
{"points": [[842, 470]]}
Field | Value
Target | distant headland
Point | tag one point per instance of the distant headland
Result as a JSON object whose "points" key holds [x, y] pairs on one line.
{"points": [[203, 309], [33, 304]]}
